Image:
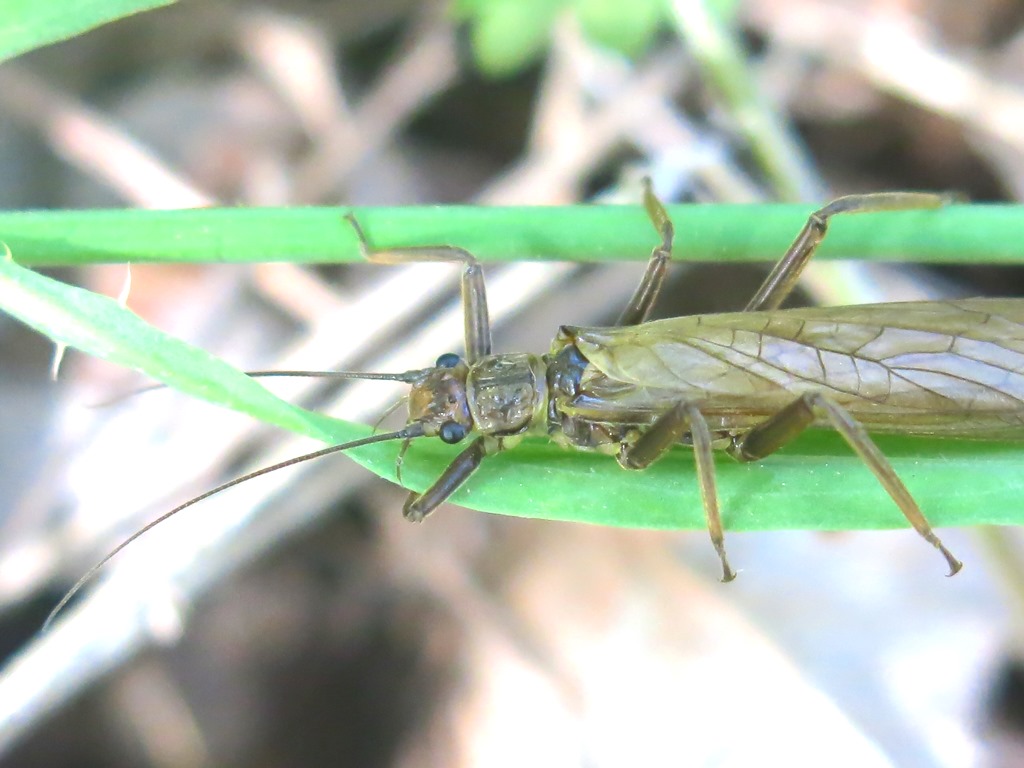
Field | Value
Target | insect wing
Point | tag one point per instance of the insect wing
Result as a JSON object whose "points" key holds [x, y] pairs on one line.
{"points": [[953, 368]]}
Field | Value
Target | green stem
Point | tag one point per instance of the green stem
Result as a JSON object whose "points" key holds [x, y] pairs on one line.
{"points": [[723, 63], [958, 233]]}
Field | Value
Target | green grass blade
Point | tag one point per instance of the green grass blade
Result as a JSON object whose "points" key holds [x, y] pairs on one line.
{"points": [[814, 484], [29, 24], [100, 326]]}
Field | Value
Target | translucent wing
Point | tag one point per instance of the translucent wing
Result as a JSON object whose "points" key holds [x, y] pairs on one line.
{"points": [[954, 368]]}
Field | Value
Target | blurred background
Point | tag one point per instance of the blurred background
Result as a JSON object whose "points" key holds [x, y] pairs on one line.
{"points": [[300, 620]]}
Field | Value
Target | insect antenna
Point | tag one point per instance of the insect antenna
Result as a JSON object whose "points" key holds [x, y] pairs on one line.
{"points": [[406, 434], [408, 377]]}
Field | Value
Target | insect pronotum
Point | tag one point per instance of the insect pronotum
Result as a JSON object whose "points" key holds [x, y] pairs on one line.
{"points": [[744, 382]]}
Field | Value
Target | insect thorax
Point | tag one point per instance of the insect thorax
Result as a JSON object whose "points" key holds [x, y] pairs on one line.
{"points": [[508, 393], [566, 367]]}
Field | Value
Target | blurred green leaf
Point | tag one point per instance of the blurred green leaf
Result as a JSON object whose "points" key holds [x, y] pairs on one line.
{"points": [[29, 24], [628, 28], [508, 35]]}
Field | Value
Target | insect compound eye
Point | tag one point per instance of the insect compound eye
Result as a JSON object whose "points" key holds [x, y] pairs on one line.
{"points": [[447, 360], [452, 432]]}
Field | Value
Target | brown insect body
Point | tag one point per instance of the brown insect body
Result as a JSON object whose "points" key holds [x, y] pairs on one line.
{"points": [[937, 368], [946, 369], [747, 382]]}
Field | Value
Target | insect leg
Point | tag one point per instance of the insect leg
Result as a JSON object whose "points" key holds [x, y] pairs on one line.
{"points": [[474, 295], [785, 425], [418, 506], [780, 282], [642, 301], [656, 442]]}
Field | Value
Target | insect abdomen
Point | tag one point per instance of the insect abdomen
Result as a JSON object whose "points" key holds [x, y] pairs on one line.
{"points": [[936, 368]]}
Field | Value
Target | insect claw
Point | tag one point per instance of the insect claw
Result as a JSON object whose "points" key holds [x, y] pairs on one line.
{"points": [[728, 574], [954, 564], [411, 510]]}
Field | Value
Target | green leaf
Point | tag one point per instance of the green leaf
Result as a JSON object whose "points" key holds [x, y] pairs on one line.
{"points": [[100, 326], [625, 27], [29, 24], [814, 484], [508, 35]]}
